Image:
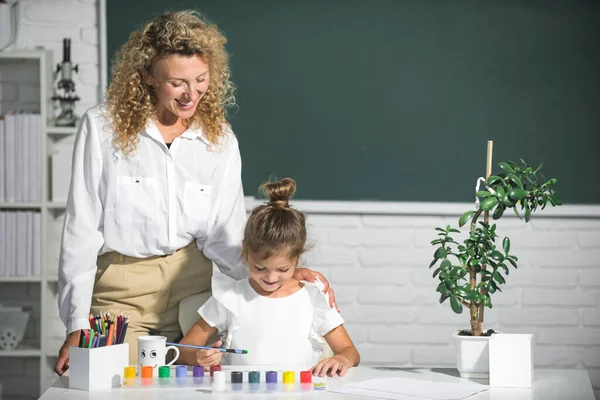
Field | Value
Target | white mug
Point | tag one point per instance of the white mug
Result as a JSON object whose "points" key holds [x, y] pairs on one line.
{"points": [[152, 351]]}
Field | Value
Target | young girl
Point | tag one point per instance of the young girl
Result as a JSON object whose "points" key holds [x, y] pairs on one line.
{"points": [[279, 320]]}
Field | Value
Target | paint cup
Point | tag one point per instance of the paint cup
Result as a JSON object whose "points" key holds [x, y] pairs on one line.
{"points": [[147, 373], [129, 375], [198, 373], [288, 377], [213, 369], [181, 374], [218, 384], [271, 379], [254, 377], [152, 351], [306, 380], [164, 375]]}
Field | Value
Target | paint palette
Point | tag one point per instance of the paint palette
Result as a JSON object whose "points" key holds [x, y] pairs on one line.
{"points": [[226, 379]]}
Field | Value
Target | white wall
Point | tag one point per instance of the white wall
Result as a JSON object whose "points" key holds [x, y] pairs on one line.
{"points": [[378, 263], [46, 22]]}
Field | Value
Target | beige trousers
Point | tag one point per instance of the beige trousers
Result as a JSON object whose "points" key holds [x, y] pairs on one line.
{"points": [[149, 290]]}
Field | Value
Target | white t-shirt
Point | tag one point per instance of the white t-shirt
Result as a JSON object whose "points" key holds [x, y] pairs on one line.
{"points": [[275, 331]]}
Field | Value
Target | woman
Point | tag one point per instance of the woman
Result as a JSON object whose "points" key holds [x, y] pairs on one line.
{"points": [[156, 192]]}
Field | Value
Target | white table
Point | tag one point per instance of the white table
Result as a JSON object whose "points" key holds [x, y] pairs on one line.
{"points": [[549, 385]]}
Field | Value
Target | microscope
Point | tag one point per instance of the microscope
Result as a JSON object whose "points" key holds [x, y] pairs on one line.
{"points": [[66, 88]]}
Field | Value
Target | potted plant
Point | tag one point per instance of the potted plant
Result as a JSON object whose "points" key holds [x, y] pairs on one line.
{"points": [[471, 272]]}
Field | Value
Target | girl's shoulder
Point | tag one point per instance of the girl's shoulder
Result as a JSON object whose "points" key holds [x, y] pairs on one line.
{"points": [[314, 291]]}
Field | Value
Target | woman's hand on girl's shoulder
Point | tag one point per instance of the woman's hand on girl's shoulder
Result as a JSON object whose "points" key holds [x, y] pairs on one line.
{"points": [[305, 274], [207, 358], [332, 366]]}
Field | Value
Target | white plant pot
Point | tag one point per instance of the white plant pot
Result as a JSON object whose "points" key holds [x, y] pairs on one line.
{"points": [[472, 356]]}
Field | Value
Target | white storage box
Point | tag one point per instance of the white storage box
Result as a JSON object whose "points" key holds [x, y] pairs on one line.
{"points": [[97, 368], [511, 360]]}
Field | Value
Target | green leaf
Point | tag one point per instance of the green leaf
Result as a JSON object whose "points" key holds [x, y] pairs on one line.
{"points": [[505, 268], [518, 194], [498, 278], [557, 201], [444, 290], [443, 297], [436, 241], [483, 193], [465, 217], [495, 255], [492, 179], [487, 302], [507, 201], [506, 167], [446, 264], [499, 211], [513, 262], [527, 214], [516, 180], [433, 262], [437, 271], [456, 304], [488, 203], [506, 245], [500, 191], [440, 253], [517, 213]]}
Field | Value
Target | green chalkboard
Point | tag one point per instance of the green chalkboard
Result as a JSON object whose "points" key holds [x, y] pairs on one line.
{"points": [[396, 99]]}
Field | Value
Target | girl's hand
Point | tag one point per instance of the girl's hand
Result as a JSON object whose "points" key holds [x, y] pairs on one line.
{"points": [[330, 366], [206, 358], [305, 274]]}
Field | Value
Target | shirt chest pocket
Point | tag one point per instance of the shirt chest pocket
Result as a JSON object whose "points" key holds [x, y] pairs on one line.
{"points": [[196, 208], [137, 199]]}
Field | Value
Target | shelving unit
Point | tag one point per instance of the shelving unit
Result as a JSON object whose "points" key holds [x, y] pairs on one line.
{"points": [[51, 213]]}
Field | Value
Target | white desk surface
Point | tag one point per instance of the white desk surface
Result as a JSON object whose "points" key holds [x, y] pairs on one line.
{"points": [[549, 385]]}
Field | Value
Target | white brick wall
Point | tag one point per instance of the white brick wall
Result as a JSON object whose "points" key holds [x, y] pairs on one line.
{"points": [[46, 22], [376, 264], [378, 267]]}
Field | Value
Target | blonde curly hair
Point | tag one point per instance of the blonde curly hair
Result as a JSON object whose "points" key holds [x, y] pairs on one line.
{"points": [[130, 101]]}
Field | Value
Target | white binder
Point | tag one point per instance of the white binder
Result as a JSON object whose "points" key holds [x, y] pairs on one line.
{"points": [[21, 244], [2, 243], [9, 157], [2, 161], [37, 247]]}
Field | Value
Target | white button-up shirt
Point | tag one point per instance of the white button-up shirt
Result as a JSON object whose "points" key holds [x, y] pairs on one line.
{"points": [[152, 202]]}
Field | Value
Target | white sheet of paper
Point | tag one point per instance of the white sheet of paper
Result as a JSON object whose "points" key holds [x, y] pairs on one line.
{"points": [[373, 394], [415, 388]]}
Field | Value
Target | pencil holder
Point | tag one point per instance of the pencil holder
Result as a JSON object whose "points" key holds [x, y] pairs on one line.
{"points": [[97, 368]]}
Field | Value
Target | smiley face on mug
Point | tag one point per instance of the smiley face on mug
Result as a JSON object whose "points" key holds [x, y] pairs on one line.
{"points": [[152, 354]]}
